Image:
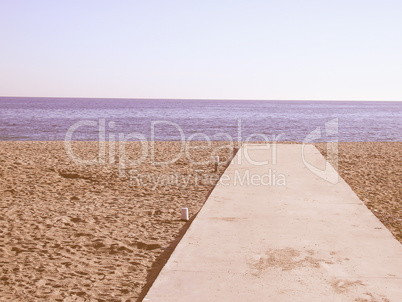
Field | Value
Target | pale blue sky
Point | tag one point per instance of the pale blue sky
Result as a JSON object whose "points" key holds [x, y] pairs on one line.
{"points": [[275, 50]]}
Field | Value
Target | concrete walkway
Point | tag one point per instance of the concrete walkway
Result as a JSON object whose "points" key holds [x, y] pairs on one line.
{"points": [[279, 232]]}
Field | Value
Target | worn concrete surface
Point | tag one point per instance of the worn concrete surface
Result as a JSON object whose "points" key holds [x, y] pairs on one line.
{"points": [[276, 231]]}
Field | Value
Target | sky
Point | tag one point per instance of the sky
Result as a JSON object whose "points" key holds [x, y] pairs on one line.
{"points": [[268, 50]]}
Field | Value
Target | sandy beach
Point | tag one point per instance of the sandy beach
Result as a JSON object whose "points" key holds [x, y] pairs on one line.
{"points": [[76, 232], [100, 232], [374, 171]]}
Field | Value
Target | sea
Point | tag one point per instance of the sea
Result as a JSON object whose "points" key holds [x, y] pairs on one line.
{"points": [[48, 119]]}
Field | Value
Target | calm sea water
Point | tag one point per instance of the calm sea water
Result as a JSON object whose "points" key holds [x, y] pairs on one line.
{"points": [[50, 119]]}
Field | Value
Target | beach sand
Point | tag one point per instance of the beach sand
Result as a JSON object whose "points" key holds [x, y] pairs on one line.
{"points": [[76, 232], [374, 171], [71, 232]]}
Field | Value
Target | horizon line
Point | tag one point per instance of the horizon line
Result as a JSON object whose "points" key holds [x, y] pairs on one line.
{"points": [[200, 99]]}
